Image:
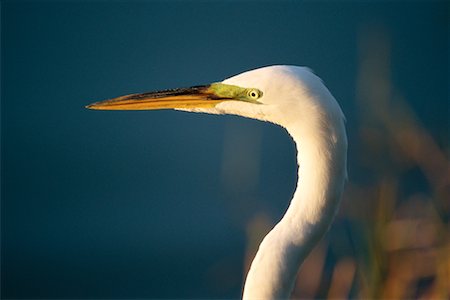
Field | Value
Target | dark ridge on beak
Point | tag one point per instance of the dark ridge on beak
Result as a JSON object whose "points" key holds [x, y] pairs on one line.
{"points": [[167, 93]]}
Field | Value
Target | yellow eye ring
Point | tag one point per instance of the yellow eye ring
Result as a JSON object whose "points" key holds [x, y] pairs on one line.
{"points": [[253, 94]]}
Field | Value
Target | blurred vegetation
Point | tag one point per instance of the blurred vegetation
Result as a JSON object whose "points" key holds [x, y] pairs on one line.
{"points": [[388, 241]]}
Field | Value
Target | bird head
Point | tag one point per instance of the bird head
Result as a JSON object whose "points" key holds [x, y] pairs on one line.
{"points": [[278, 94]]}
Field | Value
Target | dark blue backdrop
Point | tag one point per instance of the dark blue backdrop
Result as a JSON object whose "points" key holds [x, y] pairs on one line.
{"points": [[155, 204]]}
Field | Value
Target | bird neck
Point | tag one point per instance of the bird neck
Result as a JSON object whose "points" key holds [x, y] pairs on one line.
{"points": [[321, 175]]}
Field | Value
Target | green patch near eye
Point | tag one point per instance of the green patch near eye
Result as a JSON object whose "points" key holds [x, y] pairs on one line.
{"points": [[235, 92]]}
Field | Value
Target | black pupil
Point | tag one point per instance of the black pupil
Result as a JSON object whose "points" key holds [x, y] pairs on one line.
{"points": [[253, 94]]}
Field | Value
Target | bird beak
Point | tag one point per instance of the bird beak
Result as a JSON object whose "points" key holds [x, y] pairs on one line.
{"points": [[205, 96]]}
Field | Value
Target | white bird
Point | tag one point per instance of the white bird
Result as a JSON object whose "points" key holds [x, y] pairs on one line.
{"points": [[296, 99]]}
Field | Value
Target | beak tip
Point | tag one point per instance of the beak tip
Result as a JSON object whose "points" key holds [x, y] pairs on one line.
{"points": [[91, 106]]}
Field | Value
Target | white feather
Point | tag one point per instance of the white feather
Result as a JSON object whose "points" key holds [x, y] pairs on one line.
{"points": [[296, 99]]}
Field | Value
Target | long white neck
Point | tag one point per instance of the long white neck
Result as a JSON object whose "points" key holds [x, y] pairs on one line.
{"points": [[321, 176]]}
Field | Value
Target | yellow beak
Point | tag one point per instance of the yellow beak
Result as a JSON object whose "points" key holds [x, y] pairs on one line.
{"points": [[193, 97]]}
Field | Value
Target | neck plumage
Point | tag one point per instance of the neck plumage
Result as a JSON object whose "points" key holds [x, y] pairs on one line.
{"points": [[321, 176]]}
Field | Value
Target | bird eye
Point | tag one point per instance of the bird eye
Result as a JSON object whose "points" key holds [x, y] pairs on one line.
{"points": [[253, 94]]}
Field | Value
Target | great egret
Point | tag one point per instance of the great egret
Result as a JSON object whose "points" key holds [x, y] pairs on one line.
{"points": [[296, 99]]}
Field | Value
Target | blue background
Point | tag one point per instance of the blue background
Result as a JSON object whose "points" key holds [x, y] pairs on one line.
{"points": [[156, 204]]}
